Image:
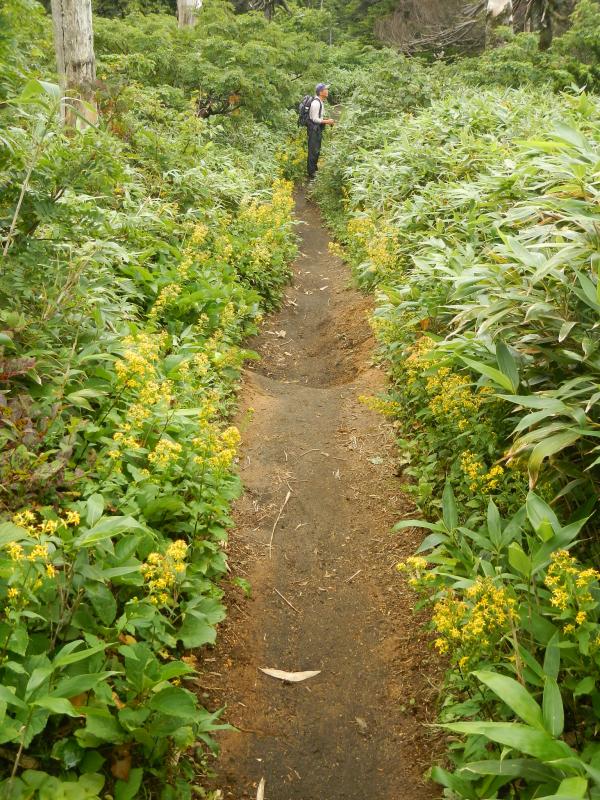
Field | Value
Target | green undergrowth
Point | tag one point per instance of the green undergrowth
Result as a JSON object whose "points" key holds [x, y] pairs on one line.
{"points": [[472, 214], [138, 257]]}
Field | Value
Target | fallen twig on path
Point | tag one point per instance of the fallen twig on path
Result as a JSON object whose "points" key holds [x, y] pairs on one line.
{"points": [[291, 605], [260, 795], [287, 497], [353, 576], [312, 450]]}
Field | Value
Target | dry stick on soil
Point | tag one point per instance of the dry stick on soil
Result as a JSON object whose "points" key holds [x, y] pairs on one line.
{"points": [[353, 576], [312, 450], [285, 600], [287, 497]]}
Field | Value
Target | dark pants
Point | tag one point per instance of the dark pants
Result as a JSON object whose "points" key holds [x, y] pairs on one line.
{"points": [[315, 135]]}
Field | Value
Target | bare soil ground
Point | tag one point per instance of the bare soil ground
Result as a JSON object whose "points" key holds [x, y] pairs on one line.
{"points": [[327, 595]]}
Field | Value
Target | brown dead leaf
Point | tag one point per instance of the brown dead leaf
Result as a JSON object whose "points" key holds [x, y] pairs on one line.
{"points": [[121, 762], [79, 699]]}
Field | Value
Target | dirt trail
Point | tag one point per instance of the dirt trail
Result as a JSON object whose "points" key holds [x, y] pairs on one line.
{"points": [[356, 730]]}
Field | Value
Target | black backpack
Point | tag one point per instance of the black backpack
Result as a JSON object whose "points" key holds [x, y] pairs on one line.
{"points": [[304, 110]]}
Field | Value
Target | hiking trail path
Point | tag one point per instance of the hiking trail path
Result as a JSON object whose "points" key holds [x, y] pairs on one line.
{"points": [[327, 596]]}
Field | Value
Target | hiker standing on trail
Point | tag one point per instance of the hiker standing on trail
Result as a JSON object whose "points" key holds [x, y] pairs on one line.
{"points": [[315, 124]]}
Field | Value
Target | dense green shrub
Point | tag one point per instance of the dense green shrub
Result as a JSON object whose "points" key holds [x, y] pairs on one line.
{"points": [[475, 222], [571, 61], [137, 257]]}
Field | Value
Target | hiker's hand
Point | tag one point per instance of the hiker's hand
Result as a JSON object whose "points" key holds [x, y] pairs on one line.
{"points": [[329, 121]]}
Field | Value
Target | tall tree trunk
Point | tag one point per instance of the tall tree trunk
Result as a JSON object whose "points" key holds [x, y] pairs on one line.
{"points": [[186, 12], [74, 43], [498, 12], [539, 18]]}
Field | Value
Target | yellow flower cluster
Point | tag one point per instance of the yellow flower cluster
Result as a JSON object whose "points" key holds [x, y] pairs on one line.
{"points": [[380, 253], [137, 371], [336, 249], [292, 157], [214, 448], [137, 364], [480, 478], [360, 228], [277, 212], [227, 316], [416, 567], [452, 397], [163, 572], [36, 527], [282, 201], [166, 297], [570, 588], [154, 392], [417, 353], [389, 408], [165, 454], [31, 558], [199, 234], [474, 623], [201, 364], [375, 240]]}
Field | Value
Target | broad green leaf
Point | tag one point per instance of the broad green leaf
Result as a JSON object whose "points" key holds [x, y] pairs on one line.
{"points": [[576, 786], [461, 787], [106, 528], [490, 372], [8, 696], [36, 89], [522, 738], [100, 726], [9, 532], [561, 796], [538, 512], [552, 658], [573, 137], [175, 702], [519, 560], [196, 631], [63, 658], [526, 768], [70, 687], [507, 364], [554, 717], [565, 330], [94, 509], [19, 640], [543, 403], [585, 686], [549, 447], [514, 695], [103, 601], [175, 669], [494, 524], [57, 705], [450, 512], [416, 523], [432, 541], [37, 678], [128, 790]]}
